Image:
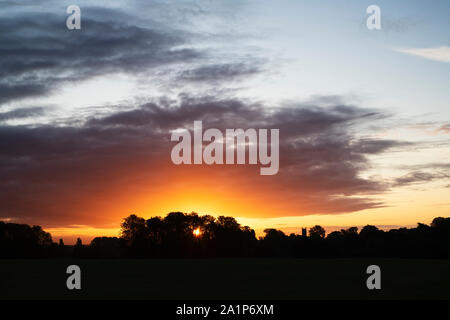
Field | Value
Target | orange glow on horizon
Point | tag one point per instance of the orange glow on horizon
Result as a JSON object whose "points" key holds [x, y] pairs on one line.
{"points": [[251, 203]]}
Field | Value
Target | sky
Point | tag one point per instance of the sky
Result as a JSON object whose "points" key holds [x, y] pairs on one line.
{"points": [[86, 115]]}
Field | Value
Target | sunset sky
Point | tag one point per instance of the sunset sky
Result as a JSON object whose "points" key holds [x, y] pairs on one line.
{"points": [[86, 115]]}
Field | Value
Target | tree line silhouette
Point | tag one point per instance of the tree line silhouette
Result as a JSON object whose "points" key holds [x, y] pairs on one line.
{"points": [[181, 235]]}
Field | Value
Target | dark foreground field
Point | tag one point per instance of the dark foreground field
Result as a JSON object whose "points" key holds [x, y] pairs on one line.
{"points": [[226, 279]]}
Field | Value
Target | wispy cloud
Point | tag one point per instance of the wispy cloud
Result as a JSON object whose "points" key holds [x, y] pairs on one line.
{"points": [[441, 54]]}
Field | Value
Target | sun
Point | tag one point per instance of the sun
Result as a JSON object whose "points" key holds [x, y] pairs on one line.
{"points": [[197, 232]]}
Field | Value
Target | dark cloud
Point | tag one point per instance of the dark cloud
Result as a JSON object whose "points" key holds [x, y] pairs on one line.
{"points": [[47, 170], [37, 52], [21, 113], [414, 177], [424, 173], [219, 72], [369, 146]]}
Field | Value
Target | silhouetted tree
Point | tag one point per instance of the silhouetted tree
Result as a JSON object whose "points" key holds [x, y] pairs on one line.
{"points": [[106, 247], [317, 231], [441, 223], [134, 233], [275, 243], [21, 240], [133, 227], [43, 238], [78, 250]]}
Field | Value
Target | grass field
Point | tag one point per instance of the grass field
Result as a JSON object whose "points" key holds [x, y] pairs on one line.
{"points": [[226, 279]]}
